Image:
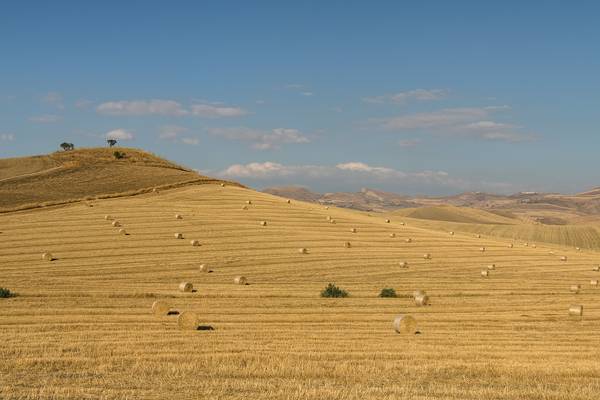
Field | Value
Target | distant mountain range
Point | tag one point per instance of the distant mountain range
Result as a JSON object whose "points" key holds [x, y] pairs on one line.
{"points": [[549, 208]]}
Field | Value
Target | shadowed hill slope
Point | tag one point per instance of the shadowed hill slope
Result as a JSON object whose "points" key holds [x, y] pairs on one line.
{"points": [[82, 174]]}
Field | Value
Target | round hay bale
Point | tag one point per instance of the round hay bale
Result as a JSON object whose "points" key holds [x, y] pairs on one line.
{"points": [[478, 236], [417, 293], [188, 321], [327, 208], [195, 243], [178, 235], [405, 324], [491, 267], [47, 256], [482, 249], [427, 256], [328, 218], [108, 217], [122, 232], [534, 246], [392, 235], [160, 307], [510, 245], [526, 244], [594, 282], [576, 310], [451, 233], [263, 223], [353, 230], [222, 185], [203, 268], [421, 300], [577, 248], [347, 245], [303, 251], [403, 264], [289, 201], [116, 224], [332, 221], [244, 207], [154, 190], [186, 287], [387, 221], [408, 240], [248, 201], [178, 216], [596, 268], [240, 280], [402, 223], [575, 288], [563, 258], [485, 273]]}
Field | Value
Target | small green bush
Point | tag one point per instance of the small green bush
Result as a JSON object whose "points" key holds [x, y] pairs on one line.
{"points": [[333, 291], [388, 292], [5, 293], [118, 155]]}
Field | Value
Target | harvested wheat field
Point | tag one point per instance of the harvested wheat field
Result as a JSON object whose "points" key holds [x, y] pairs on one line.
{"points": [[82, 326]]}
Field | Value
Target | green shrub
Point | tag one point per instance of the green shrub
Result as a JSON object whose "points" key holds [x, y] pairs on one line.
{"points": [[118, 155], [333, 291], [388, 292], [5, 293]]}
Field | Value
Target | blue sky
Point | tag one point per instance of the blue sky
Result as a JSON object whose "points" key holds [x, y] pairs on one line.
{"points": [[429, 97]]}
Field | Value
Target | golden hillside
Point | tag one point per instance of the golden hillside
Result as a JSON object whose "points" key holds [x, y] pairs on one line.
{"points": [[82, 325], [69, 176]]}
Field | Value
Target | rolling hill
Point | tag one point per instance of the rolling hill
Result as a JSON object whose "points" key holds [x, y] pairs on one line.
{"points": [[85, 174], [81, 325]]}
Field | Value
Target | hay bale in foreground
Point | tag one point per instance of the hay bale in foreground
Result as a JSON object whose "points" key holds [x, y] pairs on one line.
{"points": [[303, 250], [353, 230], [240, 280], [332, 221], [188, 321], [482, 249], [222, 185], [178, 216], [186, 287], [387, 221], [405, 324], [563, 258], [160, 307], [195, 243], [596, 268], [263, 223], [403, 264], [108, 217], [417, 293], [578, 248], [451, 233], [594, 282], [154, 190], [402, 223], [478, 236], [510, 245], [408, 240], [203, 268], [47, 256], [116, 224], [427, 256], [178, 235], [491, 267], [123, 232], [576, 310], [248, 201], [421, 300], [392, 235], [347, 245], [289, 201], [244, 207], [575, 288], [485, 273]]}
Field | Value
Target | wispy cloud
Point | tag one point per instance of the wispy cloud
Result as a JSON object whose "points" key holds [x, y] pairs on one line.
{"points": [[259, 139], [120, 134], [45, 119], [408, 142], [7, 137], [83, 103], [167, 108], [174, 134], [405, 97], [55, 99], [468, 122]]}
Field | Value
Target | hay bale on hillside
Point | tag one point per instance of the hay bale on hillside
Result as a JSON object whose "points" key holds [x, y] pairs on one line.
{"points": [[47, 256], [408, 240], [178, 235], [526, 244], [353, 230], [195, 243], [222, 185], [563, 258], [263, 223], [576, 310], [482, 249], [392, 235], [289, 201], [303, 250], [594, 282], [451, 233], [402, 223], [332, 221], [427, 256], [203, 268], [240, 280], [478, 236], [188, 321], [327, 208], [123, 232], [116, 224], [578, 248], [510, 245], [485, 273], [491, 267], [160, 307], [534, 246], [417, 293], [403, 264], [244, 207], [248, 201], [347, 245], [108, 217], [154, 190], [328, 218], [421, 300], [186, 287], [178, 216], [405, 324], [387, 221], [596, 268], [575, 288]]}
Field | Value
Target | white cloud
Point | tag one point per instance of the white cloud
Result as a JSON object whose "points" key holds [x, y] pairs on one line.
{"points": [[119, 134], [216, 111], [404, 97], [55, 99], [7, 137], [142, 107], [173, 133], [45, 119], [261, 140], [473, 122]]}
